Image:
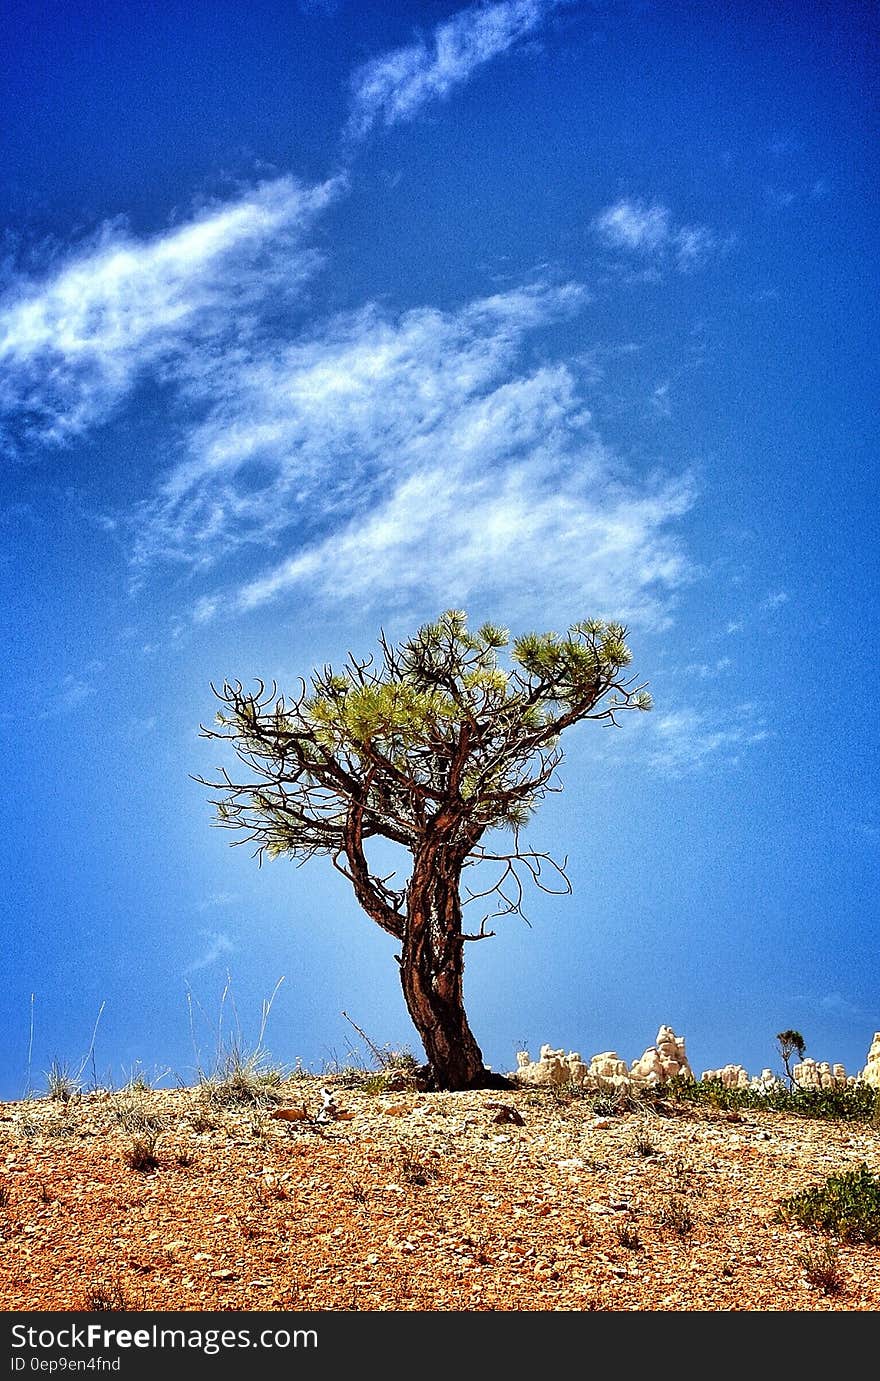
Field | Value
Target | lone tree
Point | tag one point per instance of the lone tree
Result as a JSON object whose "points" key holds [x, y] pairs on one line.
{"points": [[432, 745], [790, 1043]]}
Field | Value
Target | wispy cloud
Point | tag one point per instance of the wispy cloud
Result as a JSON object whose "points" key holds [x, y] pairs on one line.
{"points": [[651, 233], [419, 456], [73, 345], [531, 532], [774, 600], [690, 740], [218, 899], [395, 86], [74, 690], [315, 430], [706, 670], [217, 943]]}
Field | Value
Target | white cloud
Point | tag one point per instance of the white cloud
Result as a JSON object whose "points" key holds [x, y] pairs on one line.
{"points": [[690, 740], [775, 600], [650, 232], [74, 690], [705, 670], [836, 1002], [393, 87], [217, 899], [315, 430], [660, 400], [73, 345], [537, 532], [216, 945], [392, 459], [632, 225]]}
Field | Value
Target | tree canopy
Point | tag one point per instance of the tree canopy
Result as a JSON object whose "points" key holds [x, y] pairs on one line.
{"points": [[432, 743]]}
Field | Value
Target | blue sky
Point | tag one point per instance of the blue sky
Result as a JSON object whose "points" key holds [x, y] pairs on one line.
{"points": [[318, 318]]}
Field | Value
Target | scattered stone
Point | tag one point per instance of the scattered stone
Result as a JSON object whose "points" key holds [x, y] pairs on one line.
{"points": [[506, 1114]]}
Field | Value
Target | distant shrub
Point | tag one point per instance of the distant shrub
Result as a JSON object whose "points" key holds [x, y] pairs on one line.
{"points": [[676, 1216], [854, 1103], [243, 1077], [108, 1295], [141, 1155], [821, 1266], [62, 1082], [846, 1206], [628, 1236]]}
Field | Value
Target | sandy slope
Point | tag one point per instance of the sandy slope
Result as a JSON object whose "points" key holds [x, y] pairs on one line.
{"points": [[415, 1202]]}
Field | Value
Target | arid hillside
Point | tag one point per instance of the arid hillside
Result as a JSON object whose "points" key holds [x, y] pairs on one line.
{"points": [[529, 1200]]}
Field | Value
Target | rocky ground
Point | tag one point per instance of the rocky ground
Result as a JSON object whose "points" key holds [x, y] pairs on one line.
{"points": [[517, 1201]]}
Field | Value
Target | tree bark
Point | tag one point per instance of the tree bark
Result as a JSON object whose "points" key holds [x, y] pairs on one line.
{"points": [[432, 972]]}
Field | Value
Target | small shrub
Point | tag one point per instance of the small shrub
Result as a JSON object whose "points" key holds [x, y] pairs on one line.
{"points": [[141, 1155], [570, 1092], [415, 1171], [644, 1146], [5, 1196], [62, 1083], [628, 1236], [203, 1120], [184, 1159], [106, 1295], [854, 1103], [821, 1267], [243, 1078], [676, 1216], [611, 1103], [846, 1206], [131, 1114]]}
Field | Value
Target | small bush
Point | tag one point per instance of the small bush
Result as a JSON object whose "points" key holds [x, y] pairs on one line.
{"points": [[141, 1155], [129, 1110], [854, 1103], [106, 1295], [243, 1078], [644, 1146], [415, 1171], [846, 1206], [62, 1083], [822, 1268], [5, 1196], [628, 1236], [676, 1216]]}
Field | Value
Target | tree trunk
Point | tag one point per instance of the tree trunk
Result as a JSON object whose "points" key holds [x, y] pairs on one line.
{"points": [[432, 972]]}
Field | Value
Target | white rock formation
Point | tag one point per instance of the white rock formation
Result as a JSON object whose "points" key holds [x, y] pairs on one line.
{"points": [[766, 1081], [812, 1075], [662, 1061], [553, 1067], [871, 1073], [731, 1076], [607, 1070]]}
